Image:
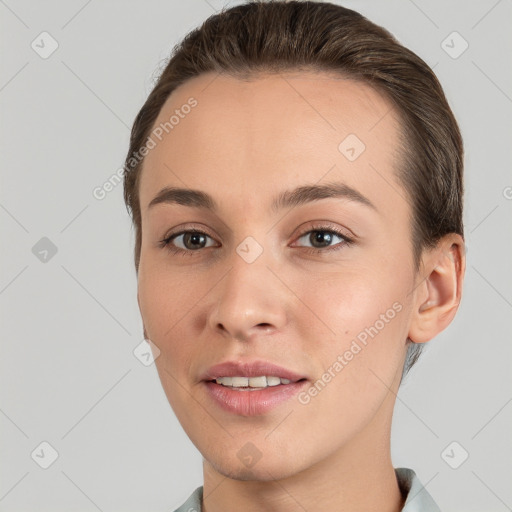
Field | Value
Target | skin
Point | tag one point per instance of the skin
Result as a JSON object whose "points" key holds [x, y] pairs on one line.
{"points": [[244, 143]]}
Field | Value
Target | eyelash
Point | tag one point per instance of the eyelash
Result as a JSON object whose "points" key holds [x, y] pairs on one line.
{"points": [[166, 242]]}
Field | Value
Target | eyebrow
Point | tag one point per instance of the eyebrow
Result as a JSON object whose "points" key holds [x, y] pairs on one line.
{"points": [[289, 198], [309, 193]]}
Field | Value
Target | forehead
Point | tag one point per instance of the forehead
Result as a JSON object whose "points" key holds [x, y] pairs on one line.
{"points": [[251, 138]]}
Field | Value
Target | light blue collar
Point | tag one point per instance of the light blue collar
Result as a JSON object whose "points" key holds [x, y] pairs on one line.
{"points": [[418, 499]]}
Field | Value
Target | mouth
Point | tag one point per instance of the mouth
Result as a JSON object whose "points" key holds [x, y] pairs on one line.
{"points": [[252, 383], [251, 388]]}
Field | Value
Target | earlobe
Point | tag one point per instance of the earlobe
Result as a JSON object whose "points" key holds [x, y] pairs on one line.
{"points": [[438, 296]]}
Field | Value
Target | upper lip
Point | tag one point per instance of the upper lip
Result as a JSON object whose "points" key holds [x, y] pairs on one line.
{"points": [[250, 369]]}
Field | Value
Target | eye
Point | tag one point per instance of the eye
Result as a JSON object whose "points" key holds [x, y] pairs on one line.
{"points": [[323, 239], [187, 241]]}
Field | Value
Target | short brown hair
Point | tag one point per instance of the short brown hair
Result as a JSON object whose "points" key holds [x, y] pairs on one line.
{"points": [[275, 36]]}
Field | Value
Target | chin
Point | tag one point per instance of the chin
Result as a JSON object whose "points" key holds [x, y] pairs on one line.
{"points": [[266, 469]]}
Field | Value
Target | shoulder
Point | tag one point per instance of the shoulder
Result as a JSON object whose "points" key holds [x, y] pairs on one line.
{"points": [[417, 498], [193, 504]]}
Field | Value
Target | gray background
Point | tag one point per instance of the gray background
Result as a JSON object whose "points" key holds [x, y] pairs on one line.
{"points": [[70, 320]]}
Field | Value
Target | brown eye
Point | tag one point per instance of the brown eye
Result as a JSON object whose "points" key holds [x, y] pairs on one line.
{"points": [[322, 238], [190, 240], [194, 241]]}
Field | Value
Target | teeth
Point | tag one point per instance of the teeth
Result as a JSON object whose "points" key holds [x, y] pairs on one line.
{"points": [[251, 382], [273, 381], [257, 382], [239, 382]]}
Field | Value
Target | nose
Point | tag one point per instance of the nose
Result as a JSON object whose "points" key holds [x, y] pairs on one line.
{"points": [[250, 301]]}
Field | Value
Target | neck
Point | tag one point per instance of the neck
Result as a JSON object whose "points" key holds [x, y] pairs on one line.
{"points": [[357, 477]]}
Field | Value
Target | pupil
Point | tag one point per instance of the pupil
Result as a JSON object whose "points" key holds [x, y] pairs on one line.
{"points": [[197, 240], [321, 237]]}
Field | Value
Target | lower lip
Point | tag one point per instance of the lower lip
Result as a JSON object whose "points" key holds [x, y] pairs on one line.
{"points": [[252, 402]]}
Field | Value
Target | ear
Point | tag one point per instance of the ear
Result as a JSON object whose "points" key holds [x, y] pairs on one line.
{"points": [[438, 294]]}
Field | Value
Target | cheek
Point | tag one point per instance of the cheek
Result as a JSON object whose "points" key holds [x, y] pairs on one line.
{"points": [[166, 298], [364, 320], [348, 302], [167, 301], [167, 306]]}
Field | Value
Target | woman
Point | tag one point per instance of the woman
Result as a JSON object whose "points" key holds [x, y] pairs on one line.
{"points": [[295, 183]]}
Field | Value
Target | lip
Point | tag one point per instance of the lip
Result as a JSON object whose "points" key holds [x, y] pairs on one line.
{"points": [[251, 402], [250, 369]]}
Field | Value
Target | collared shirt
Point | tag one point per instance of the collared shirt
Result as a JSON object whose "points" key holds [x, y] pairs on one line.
{"points": [[417, 497]]}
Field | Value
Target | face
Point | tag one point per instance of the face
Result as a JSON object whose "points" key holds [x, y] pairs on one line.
{"points": [[298, 265]]}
